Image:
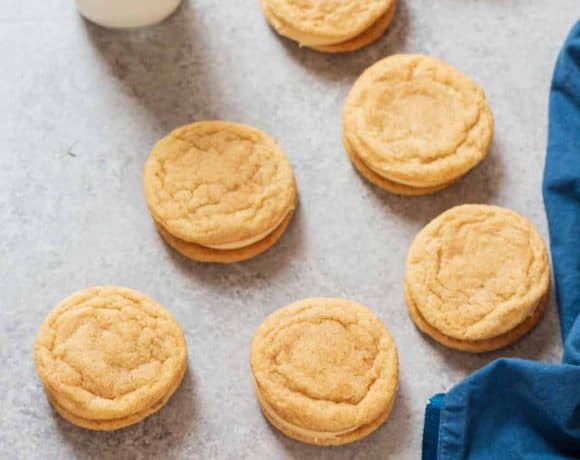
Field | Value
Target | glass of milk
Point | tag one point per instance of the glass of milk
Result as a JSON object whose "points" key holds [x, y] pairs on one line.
{"points": [[125, 14]]}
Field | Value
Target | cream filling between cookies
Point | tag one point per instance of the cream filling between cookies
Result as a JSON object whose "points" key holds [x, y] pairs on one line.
{"points": [[248, 241], [267, 408], [311, 40], [532, 311], [118, 422], [365, 38], [406, 184], [384, 182]]}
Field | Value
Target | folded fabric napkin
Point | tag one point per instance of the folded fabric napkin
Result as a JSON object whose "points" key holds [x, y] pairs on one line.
{"points": [[514, 408]]}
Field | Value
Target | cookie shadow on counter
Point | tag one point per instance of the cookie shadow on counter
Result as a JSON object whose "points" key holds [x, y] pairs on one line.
{"points": [[348, 66], [158, 436], [252, 272], [387, 442], [164, 69], [481, 185]]}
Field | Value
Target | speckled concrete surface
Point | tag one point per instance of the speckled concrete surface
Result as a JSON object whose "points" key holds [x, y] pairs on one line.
{"points": [[81, 107]]}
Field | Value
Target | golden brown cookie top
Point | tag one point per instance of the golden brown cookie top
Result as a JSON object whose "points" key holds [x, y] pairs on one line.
{"points": [[417, 120], [326, 21], [109, 352], [216, 183], [477, 271], [325, 364]]}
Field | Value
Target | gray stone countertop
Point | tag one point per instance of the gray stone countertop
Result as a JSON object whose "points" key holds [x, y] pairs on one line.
{"points": [[81, 107]]}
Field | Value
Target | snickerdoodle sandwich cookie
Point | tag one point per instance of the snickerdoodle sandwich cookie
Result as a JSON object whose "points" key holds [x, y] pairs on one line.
{"points": [[109, 357], [219, 191], [477, 278], [333, 26], [325, 370], [413, 124]]}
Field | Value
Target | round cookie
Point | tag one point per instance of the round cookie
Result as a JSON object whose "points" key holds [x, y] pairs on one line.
{"points": [[372, 34], [385, 184], [202, 254], [109, 354], [325, 23], [218, 184], [477, 272], [417, 121], [325, 370]]}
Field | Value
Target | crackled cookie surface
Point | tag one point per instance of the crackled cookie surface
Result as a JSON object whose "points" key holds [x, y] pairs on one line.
{"points": [[110, 353], [477, 272], [218, 184], [418, 121], [325, 370]]}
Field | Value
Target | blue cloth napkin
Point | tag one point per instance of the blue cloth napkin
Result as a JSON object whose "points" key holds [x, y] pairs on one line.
{"points": [[513, 408]]}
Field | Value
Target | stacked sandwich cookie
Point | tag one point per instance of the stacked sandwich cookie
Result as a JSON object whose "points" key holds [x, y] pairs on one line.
{"points": [[219, 191], [413, 124], [332, 26], [325, 370], [109, 357], [477, 278]]}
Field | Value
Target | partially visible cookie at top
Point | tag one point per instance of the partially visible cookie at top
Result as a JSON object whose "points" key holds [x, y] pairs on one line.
{"points": [[219, 191], [325, 370], [417, 122], [109, 356], [331, 26], [477, 277]]}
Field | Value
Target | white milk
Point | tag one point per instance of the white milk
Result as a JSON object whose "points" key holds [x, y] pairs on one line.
{"points": [[121, 14]]}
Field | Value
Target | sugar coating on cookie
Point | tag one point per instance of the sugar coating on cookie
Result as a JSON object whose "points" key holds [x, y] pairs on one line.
{"points": [[416, 120], [109, 353], [477, 271], [219, 184], [325, 367]]}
